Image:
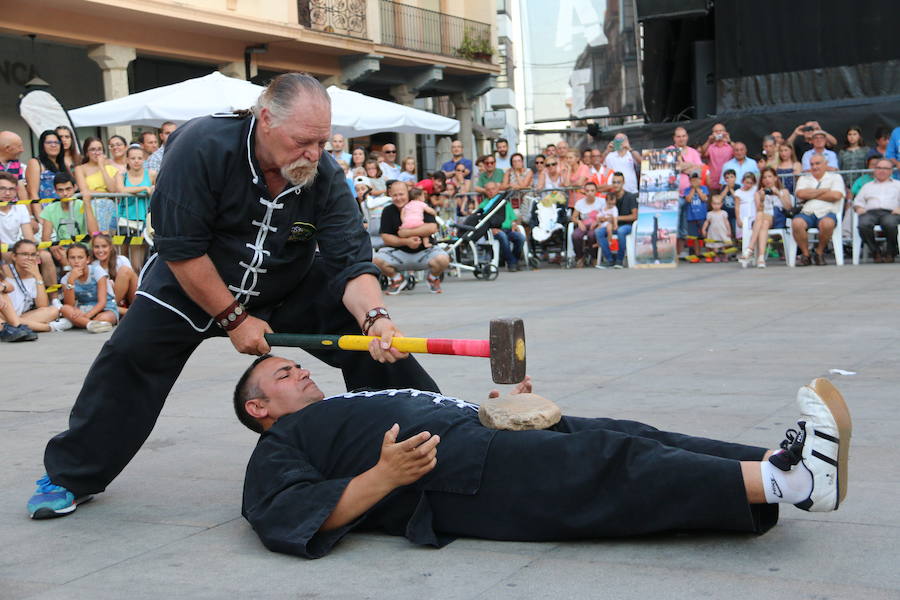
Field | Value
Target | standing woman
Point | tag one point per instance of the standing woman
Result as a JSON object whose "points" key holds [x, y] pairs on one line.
{"points": [[117, 268], [96, 175], [853, 156], [787, 167], [769, 157], [117, 147], [518, 176], [357, 159], [140, 182], [70, 148], [43, 169], [408, 171]]}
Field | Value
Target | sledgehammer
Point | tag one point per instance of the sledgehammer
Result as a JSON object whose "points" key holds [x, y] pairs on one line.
{"points": [[505, 348]]}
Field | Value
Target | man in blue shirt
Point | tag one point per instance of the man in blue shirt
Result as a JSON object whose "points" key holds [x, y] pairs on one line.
{"points": [[819, 141], [893, 151], [740, 164], [456, 149]]}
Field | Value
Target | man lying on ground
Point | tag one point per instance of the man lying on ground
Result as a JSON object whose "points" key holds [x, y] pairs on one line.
{"points": [[370, 460]]}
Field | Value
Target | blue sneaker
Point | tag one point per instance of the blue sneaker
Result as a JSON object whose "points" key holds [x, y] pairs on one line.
{"points": [[50, 501], [8, 333]]}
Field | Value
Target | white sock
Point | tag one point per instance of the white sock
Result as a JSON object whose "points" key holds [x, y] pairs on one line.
{"points": [[789, 487]]}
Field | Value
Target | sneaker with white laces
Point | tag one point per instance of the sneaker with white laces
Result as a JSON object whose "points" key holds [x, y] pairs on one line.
{"points": [[99, 326], [434, 283], [61, 324], [397, 285], [822, 443], [50, 501]]}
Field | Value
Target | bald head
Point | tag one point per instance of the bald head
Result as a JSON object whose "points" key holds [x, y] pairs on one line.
{"points": [[10, 145]]}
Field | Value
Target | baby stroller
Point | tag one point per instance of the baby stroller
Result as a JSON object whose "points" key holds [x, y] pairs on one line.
{"points": [[466, 253], [549, 218]]}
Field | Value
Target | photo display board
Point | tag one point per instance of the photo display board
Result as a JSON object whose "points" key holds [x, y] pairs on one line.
{"points": [[657, 223]]}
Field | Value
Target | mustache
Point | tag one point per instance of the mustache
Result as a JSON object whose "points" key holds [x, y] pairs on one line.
{"points": [[301, 172]]}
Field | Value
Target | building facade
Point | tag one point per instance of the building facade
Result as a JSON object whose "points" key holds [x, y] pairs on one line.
{"points": [[404, 50]]}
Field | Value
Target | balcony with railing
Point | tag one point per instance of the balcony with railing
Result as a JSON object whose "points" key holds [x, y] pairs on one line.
{"points": [[341, 17], [422, 30]]}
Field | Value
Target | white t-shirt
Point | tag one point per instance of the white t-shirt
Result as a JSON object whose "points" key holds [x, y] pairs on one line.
{"points": [[820, 208], [121, 261], [389, 171], [625, 165], [747, 199], [23, 294], [11, 223], [584, 209]]}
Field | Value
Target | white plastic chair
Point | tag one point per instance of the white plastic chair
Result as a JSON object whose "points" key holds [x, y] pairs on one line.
{"points": [[783, 232], [837, 240], [858, 241]]}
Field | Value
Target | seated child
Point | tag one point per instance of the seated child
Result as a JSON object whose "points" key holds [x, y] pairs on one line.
{"points": [[608, 216], [412, 215], [88, 301]]}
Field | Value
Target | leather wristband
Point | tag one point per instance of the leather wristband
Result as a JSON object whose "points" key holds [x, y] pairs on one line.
{"points": [[372, 315], [232, 316]]}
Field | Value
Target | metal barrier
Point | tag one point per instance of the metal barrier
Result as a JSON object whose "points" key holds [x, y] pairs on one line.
{"points": [[122, 216]]}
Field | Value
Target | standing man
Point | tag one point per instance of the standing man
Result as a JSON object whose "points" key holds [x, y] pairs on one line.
{"points": [[11, 148], [449, 167], [490, 174], [819, 141], [689, 161], [155, 160], [149, 143], [821, 193], [878, 203], [627, 207], [389, 167], [621, 158], [717, 151], [338, 143], [409, 249], [237, 256], [740, 164], [503, 154]]}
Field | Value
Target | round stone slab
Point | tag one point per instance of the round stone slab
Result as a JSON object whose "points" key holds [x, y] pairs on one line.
{"points": [[518, 412]]}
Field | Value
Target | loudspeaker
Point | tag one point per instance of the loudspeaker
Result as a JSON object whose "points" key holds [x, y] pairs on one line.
{"points": [[704, 79], [671, 9]]}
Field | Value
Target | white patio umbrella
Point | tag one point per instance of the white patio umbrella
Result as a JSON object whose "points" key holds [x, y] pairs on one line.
{"points": [[353, 114], [178, 102]]}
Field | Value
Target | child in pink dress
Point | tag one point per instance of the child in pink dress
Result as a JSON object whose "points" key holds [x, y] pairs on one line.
{"points": [[412, 215]]}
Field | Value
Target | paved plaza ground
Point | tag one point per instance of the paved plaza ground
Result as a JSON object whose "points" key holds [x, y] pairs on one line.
{"points": [[704, 349]]}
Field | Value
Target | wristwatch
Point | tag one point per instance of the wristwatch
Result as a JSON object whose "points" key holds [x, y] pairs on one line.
{"points": [[70, 286], [379, 312]]}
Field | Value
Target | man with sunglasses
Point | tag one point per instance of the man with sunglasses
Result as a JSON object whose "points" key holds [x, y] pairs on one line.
{"points": [[389, 166], [422, 465]]}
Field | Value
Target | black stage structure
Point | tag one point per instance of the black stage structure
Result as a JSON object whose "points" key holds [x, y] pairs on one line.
{"points": [[767, 65]]}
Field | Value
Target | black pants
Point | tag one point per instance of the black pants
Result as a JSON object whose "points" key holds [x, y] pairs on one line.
{"points": [[888, 221], [126, 387], [602, 478]]}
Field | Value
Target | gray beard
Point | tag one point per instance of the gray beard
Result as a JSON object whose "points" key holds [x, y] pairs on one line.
{"points": [[299, 174]]}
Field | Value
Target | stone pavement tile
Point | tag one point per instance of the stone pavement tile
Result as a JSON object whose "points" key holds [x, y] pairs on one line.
{"points": [[821, 549], [233, 564], [61, 550], [546, 578], [15, 588]]}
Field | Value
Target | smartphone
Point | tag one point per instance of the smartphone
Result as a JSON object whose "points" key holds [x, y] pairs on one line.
{"points": [[808, 128], [617, 144]]}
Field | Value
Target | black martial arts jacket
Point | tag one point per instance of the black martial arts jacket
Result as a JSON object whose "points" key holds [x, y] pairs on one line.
{"points": [[302, 464], [211, 198]]}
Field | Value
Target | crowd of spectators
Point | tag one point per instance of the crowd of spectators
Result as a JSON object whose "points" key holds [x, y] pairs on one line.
{"points": [[67, 220], [94, 193]]}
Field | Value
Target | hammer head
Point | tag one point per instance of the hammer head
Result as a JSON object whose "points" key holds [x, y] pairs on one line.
{"points": [[507, 342]]}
